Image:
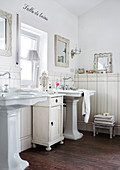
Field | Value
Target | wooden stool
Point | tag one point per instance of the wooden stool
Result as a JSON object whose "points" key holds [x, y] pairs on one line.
{"points": [[104, 126]]}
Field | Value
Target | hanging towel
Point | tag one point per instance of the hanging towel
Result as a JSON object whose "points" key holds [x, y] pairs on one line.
{"points": [[86, 105]]}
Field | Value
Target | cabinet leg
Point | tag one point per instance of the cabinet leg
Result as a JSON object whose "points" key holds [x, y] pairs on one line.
{"points": [[97, 132], [93, 130], [111, 130], [34, 145], [48, 148], [62, 142]]}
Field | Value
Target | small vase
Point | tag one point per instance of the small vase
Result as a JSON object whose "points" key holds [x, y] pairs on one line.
{"points": [[56, 89]]}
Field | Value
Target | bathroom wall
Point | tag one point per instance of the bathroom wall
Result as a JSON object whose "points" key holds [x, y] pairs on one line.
{"points": [[60, 22], [99, 32]]}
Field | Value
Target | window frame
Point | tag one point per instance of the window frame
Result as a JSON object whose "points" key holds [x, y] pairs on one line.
{"points": [[37, 38]]}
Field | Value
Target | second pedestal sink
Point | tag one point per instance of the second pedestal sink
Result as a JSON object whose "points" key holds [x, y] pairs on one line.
{"points": [[9, 108], [71, 99]]}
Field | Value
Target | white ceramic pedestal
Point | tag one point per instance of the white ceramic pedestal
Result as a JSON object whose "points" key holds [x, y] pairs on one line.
{"points": [[10, 103], [71, 131], [9, 155]]}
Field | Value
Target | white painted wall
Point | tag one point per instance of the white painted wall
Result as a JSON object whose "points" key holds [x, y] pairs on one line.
{"points": [[60, 22], [99, 32]]}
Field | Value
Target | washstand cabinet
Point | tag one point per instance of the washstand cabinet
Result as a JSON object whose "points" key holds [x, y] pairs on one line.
{"points": [[48, 122]]}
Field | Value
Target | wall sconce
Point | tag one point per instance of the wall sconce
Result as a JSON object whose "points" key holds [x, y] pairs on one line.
{"points": [[75, 52]]}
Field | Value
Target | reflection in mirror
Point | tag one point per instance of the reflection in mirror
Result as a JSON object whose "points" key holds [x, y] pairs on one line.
{"points": [[2, 33], [103, 62], [5, 34], [61, 51]]}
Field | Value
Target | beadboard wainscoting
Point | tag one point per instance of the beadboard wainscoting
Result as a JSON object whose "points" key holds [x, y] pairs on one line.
{"points": [[106, 98]]}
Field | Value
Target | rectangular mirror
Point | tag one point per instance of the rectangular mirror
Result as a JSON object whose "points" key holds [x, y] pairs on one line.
{"points": [[5, 34], [103, 62], [61, 51]]}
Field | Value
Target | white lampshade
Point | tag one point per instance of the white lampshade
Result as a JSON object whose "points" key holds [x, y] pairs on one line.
{"points": [[32, 55]]}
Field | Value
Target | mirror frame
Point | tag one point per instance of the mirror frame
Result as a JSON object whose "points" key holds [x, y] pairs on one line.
{"points": [[109, 62], [66, 41], [8, 51]]}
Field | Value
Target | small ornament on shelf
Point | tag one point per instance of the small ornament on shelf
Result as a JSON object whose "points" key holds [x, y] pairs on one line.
{"points": [[44, 81]]}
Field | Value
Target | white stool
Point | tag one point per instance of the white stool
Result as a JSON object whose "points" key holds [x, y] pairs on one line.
{"points": [[104, 126]]}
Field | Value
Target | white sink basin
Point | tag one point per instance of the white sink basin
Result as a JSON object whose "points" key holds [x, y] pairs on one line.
{"points": [[17, 98], [71, 93], [9, 108], [75, 93]]}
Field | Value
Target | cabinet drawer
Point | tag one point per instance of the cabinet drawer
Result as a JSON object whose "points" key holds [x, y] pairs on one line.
{"points": [[56, 101], [51, 101]]}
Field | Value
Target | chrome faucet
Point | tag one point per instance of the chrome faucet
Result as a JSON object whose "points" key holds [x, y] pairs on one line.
{"points": [[5, 74], [66, 78], [6, 85]]}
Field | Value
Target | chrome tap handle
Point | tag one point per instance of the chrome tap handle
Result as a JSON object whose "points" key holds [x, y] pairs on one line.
{"points": [[6, 88]]}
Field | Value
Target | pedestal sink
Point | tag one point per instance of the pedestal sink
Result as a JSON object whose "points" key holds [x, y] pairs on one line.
{"points": [[10, 103], [71, 99]]}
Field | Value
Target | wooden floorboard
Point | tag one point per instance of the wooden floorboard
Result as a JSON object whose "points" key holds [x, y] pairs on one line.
{"points": [[88, 153]]}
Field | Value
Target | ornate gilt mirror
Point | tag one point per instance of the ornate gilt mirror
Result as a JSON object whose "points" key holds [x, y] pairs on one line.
{"points": [[103, 62], [5, 34], [61, 51]]}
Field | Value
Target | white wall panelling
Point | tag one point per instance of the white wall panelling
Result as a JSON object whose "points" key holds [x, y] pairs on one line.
{"points": [[93, 109], [113, 95], [101, 93], [106, 98]]}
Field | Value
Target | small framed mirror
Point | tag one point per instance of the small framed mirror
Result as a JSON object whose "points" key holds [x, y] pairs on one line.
{"points": [[61, 51], [5, 34], [103, 62]]}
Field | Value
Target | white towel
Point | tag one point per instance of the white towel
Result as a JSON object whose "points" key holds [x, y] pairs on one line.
{"points": [[100, 122], [104, 117], [86, 105], [104, 120]]}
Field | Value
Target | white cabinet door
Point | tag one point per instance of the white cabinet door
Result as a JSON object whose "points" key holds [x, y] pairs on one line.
{"points": [[55, 123], [40, 124], [46, 123]]}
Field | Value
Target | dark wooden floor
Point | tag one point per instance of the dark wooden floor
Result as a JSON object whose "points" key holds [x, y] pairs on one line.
{"points": [[88, 153]]}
